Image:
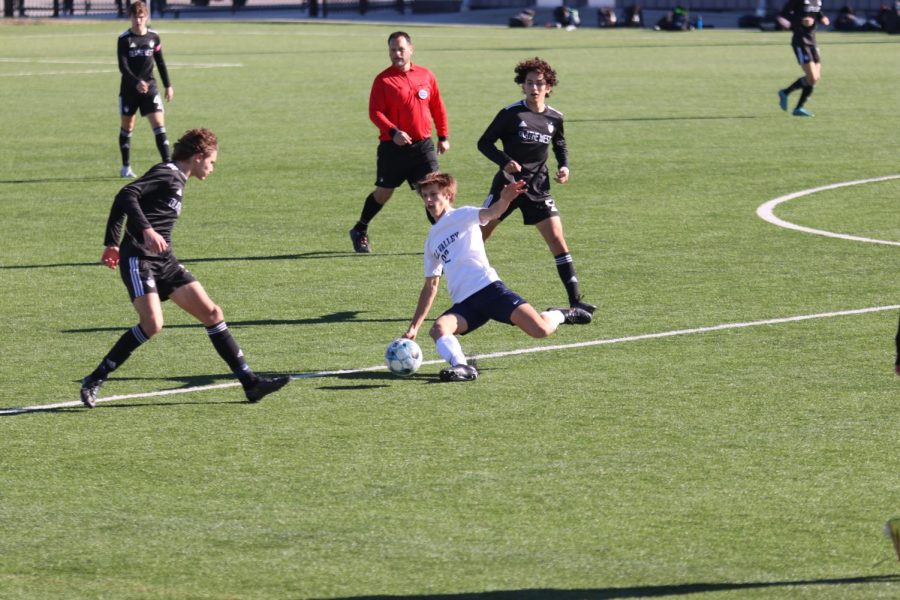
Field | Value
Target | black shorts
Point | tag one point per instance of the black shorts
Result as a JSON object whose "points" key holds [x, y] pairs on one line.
{"points": [[493, 302], [152, 274], [804, 53], [533, 211], [409, 163], [129, 103]]}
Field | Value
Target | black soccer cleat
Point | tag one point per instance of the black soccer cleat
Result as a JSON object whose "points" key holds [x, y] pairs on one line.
{"points": [[263, 386], [584, 305], [89, 389], [574, 316], [459, 373], [360, 241]]}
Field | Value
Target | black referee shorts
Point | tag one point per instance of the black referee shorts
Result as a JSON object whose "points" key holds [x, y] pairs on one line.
{"points": [[409, 163]]}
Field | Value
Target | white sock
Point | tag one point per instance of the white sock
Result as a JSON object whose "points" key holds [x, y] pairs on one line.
{"points": [[554, 317], [449, 349]]}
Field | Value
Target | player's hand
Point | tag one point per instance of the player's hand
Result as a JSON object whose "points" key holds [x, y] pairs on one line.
{"points": [[512, 190], [443, 146], [807, 21], [110, 257], [825, 21], [143, 87], [153, 242], [411, 333], [170, 93], [562, 175], [401, 138], [512, 167]]}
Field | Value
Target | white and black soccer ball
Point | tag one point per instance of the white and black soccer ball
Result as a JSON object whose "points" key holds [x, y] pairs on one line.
{"points": [[403, 357]]}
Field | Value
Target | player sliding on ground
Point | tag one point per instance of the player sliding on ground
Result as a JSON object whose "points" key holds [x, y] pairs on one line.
{"points": [[151, 272], [454, 246]]}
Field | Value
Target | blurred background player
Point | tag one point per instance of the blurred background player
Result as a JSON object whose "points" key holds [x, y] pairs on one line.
{"points": [[527, 130], [151, 272], [801, 16], [454, 247], [403, 102], [138, 49]]}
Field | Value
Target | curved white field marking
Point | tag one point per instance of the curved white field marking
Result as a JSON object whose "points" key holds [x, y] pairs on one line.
{"points": [[604, 342], [765, 211]]}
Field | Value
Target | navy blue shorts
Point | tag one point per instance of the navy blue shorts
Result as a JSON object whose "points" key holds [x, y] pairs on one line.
{"points": [[493, 302]]}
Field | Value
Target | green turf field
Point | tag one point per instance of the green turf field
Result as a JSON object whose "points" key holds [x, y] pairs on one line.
{"points": [[753, 460]]}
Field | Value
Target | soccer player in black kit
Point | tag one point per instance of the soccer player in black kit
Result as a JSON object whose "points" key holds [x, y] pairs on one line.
{"points": [[138, 49], [801, 17], [528, 130], [152, 274]]}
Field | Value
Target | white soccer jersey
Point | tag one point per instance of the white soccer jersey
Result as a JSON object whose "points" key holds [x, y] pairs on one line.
{"points": [[454, 246]]}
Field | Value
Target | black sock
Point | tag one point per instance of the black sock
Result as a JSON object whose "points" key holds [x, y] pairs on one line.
{"points": [[795, 86], [162, 143], [566, 269], [370, 209], [125, 146], [230, 352], [806, 93], [898, 344], [120, 352]]}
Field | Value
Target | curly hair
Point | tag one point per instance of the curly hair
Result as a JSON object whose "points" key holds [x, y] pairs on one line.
{"points": [[445, 182], [195, 141], [538, 65]]}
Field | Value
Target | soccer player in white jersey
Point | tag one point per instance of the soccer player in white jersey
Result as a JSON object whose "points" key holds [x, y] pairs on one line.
{"points": [[454, 247]]}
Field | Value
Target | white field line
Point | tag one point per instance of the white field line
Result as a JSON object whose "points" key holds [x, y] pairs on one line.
{"points": [[602, 342], [766, 211]]}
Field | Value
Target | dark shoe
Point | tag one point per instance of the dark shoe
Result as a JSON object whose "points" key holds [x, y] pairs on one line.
{"points": [[459, 373], [575, 316], [89, 389], [360, 241], [263, 386], [584, 306], [783, 100], [897, 369]]}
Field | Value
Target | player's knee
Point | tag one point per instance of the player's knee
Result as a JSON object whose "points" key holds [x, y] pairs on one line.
{"points": [[215, 315], [151, 326]]}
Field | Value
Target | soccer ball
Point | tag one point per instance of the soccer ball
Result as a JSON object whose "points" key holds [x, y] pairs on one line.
{"points": [[403, 357]]}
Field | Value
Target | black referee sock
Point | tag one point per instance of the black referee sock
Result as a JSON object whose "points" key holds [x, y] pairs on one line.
{"points": [[230, 352], [120, 352], [370, 209], [566, 269], [805, 94], [125, 146], [162, 143]]}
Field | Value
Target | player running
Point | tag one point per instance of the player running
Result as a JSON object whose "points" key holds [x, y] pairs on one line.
{"points": [[138, 49], [527, 130], [454, 246], [801, 17], [151, 272]]}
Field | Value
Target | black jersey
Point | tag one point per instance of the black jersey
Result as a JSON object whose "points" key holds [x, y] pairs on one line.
{"points": [[527, 137], [154, 201], [136, 54], [794, 11]]}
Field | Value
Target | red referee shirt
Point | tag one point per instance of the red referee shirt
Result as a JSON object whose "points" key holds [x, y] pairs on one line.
{"points": [[407, 101]]}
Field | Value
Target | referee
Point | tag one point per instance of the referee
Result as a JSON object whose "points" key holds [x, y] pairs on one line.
{"points": [[404, 101], [152, 274]]}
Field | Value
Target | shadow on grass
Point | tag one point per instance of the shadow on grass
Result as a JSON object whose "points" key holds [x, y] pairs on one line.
{"points": [[347, 316], [371, 377], [328, 254], [644, 591]]}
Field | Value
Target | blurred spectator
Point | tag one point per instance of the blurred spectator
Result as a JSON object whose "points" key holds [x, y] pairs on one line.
{"points": [[606, 17], [566, 17], [634, 16], [674, 20], [523, 19]]}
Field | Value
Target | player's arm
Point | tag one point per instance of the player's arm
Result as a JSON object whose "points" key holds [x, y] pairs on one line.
{"points": [[487, 143], [128, 77], [163, 72], [561, 152], [426, 299], [378, 114], [138, 226], [509, 193]]}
